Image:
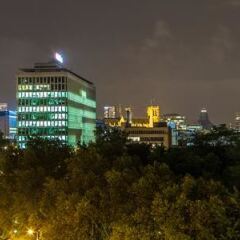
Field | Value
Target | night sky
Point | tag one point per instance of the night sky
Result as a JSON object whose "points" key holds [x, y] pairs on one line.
{"points": [[181, 54]]}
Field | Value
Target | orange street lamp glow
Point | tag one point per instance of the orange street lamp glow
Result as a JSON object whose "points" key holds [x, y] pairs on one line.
{"points": [[30, 231]]}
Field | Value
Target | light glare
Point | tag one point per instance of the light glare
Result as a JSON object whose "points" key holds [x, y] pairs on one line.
{"points": [[30, 232], [59, 57]]}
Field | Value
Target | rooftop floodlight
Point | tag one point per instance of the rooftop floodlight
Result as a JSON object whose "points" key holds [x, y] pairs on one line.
{"points": [[59, 58]]}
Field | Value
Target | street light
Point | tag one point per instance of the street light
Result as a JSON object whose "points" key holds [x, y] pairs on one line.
{"points": [[31, 232]]}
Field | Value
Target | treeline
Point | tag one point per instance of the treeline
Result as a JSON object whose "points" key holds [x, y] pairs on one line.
{"points": [[115, 190]]}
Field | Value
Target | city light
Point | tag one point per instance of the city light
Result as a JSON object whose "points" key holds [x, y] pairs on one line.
{"points": [[59, 57], [30, 231]]}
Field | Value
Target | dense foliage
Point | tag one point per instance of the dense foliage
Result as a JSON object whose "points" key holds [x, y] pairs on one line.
{"points": [[114, 190]]}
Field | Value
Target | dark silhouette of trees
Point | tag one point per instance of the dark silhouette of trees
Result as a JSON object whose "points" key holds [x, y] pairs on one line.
{"points": [[117, 190]]}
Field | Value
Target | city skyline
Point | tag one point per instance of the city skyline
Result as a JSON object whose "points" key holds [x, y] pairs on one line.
{"points": [[183, 55]]}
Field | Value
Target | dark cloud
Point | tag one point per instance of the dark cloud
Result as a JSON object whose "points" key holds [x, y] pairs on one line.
{"points": [[184, 54]]}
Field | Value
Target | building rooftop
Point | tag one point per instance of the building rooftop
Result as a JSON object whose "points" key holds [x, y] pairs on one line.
{"points": [[52, 66]]}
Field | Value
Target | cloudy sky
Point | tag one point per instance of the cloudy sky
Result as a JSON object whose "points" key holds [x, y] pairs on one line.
{"points": [[180, 54]]}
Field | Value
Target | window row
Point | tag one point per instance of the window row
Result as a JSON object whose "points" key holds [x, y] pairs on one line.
{"points": [[42, 124], [41, 80], [44, 87], [61, 137], [31, 131], [41, 94], [42, 116], [145, 132], [44, 109], [42, 102]]}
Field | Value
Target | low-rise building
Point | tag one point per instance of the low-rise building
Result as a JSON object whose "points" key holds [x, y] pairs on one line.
{"points": [[158, 135]]}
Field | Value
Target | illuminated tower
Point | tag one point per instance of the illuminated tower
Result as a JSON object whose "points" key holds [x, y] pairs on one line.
{"points": [[128, 111], [55, 103], [204, 119], [153, 113]]}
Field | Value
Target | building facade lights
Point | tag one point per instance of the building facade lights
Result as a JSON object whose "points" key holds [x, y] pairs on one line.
{"points": [[55, 103]]}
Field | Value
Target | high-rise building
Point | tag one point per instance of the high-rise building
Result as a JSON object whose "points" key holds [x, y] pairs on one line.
{"points": [[55, 103], [204, 119], [7, 121], [110, 112], [237, 121]]}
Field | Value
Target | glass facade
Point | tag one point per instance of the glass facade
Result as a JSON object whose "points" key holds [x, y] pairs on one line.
{"points": [[55, 104], [8, 123]]}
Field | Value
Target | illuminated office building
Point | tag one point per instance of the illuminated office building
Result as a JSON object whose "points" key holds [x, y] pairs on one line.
{"points": [[7, 122], [55, 103]]}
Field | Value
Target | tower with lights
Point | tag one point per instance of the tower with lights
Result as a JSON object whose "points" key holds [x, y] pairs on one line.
{"points": [[55, 103], [204, 119]]}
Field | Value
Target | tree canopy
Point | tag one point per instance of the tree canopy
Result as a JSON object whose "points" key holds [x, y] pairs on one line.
{"points": [[117, 190]]}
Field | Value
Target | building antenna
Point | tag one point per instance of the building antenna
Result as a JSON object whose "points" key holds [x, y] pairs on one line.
{"points": [[152, 101]]}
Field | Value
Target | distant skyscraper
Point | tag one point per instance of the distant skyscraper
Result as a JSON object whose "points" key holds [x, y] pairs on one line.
{"points": [[237, 121], [109, 112], [128, 111], [204, 119], [55, 103], [7, 121]]}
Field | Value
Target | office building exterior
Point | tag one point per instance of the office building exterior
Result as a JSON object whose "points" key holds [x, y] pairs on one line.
{"points": [[7, 122], [55, 103], [158, 135]]}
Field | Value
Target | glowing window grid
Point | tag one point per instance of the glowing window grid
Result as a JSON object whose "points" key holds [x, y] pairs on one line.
{"points": [[41, 108]]}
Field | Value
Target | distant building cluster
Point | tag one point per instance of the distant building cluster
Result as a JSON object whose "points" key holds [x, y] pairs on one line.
{"points": [[171, 129], [150, 130]]}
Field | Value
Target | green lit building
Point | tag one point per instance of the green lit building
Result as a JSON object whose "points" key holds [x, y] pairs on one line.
{"points": [[55, 103]]}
